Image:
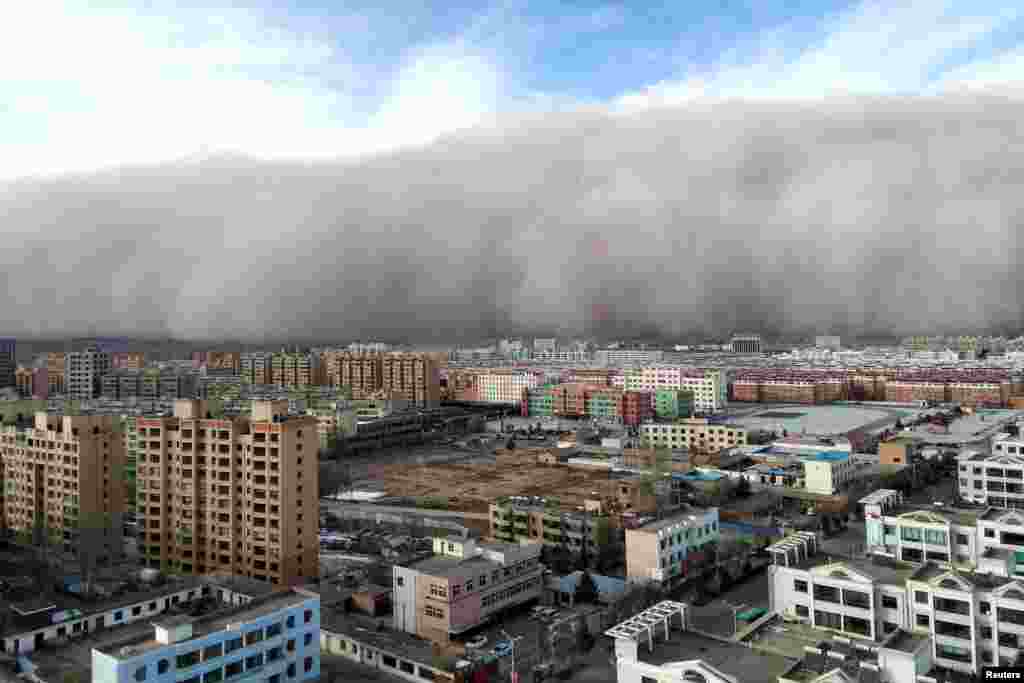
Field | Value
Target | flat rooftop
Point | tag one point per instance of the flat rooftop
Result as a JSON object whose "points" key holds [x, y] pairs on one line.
{"points": [[734, 659], [204, 625], [881, 569], [905, 641], [958, 516], [820, 420], [692, 515], [364, 629]]}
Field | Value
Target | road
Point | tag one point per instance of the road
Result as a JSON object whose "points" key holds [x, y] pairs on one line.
{"points": [[370, 508], [338, 669]]}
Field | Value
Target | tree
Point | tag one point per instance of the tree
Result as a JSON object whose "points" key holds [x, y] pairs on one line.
{"points": [[586, 590]]}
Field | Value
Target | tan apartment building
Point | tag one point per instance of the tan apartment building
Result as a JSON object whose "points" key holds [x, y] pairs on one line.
{"points": [[295, 369], [693, 433], [414, 377], [664, 551], [257, 367], [55, 361], [360, 371], [235, 496], [464, 584], [63, 481]]}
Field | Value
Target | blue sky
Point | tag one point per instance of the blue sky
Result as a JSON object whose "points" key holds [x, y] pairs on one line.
{"points": [[88, 84]]}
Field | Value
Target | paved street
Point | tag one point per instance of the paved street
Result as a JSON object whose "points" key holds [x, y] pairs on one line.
{"points": [[337, 669]]}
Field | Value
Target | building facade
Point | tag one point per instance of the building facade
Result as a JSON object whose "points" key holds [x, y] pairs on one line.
{"points": [[663, 551], [515, 519], [63, 484], [273, 639], [236, 496], [708, 387], [465, 584], [995, 479], [505, 386], [84, 371], [745, 343], [829, 472], [693, 433]]}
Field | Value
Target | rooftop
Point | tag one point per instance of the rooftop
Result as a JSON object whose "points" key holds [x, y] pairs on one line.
{"points": [[904, 641], [881, 569], [958, 516], [694, 515], [217, 621], [734, 659], [371, 632]]}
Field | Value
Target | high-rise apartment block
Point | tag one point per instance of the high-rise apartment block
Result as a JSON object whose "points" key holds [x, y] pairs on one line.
{"points": [[745, 343], [55, 363], [63, 483], [413, 377], [8, 361], [257, 367], [133, 360], [296, 369], [83, 372], [235, 496]]}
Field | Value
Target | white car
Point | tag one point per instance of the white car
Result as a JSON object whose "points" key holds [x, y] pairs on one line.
{"points": [[477, 642]]}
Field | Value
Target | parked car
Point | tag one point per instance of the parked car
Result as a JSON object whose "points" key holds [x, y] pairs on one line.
{"points": [[477, 641]]}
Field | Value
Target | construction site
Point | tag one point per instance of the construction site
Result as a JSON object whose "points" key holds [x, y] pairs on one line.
{"points": [[472, 486]]}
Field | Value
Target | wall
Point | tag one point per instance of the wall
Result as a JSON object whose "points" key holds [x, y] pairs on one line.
{"points": [[404, 599]]}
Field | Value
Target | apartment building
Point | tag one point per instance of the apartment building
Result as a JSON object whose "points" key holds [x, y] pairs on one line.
{"points": [[972, 619], [218, 362], [708, 387], [506, 386], [414, 377], [663, 551], [296, 369], [463, 585], [545, 345], [32, 382], [995, 479], [234, 496], [127, 360], [828, 472], [516, 519], [275, 638], [673, 404], [83, 372], [63, 482], [694, 433], [628, 357], [8, 361], [745, 343], [55, 364], [257, 367]]}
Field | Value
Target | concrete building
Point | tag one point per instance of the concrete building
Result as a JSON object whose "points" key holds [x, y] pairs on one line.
{"points": [[693, 433], [32, 382], [972, 619], [132, 360], [8, 362], [828, 472], [63, 483], [257, 367], [463, 585], [545, 345], [673, 404], [995, 479], [663, 551], [55, 364], [414, 377], [708, 386], [296, 369], [517, 519], [274, 638], [506, 386], [745, 343], [235, 496], [83, 372], [628, 357]]}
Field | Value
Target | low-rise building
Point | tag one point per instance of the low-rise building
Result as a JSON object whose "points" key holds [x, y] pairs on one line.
{"points": [[274, 638], [694, 433], [464, 584], [516, 519], [663, 551], [829, 472], [995, 478]]}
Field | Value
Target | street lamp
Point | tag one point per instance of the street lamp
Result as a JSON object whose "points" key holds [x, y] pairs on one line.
{"points": [[512, 641]]}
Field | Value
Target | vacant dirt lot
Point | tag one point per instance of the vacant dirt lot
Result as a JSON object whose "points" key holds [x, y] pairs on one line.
{"points": [[472, 487]]}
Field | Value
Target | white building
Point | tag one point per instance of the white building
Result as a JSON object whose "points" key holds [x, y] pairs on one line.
{"points": [[972, 619], [829, 472], [996, 479], [545, 345], [644, 637], [692, 432], [628, 357]]}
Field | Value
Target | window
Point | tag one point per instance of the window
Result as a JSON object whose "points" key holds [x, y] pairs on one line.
{"points": [[274, 630], [118, 615], [803, 611], [921, 597], [985, 607], [233, 669], [388, 660], [407, 667], [307, 664], [290, 621], [888, 626], [961, 539], [399, 581], [291, 670], [215, 676], [290, 646], [307, 616], [923, 620], [233, 644], [140, 673], [800, 586], [990, 533], [307, 639], [889, 602], [137, 610]]}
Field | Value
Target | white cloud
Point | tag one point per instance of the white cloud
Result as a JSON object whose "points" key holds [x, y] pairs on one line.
{"points": [[88, 88], [876, 48]]}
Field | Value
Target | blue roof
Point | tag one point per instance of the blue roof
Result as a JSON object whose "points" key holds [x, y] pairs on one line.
{"points": [[606, 585], [832, 455]]}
